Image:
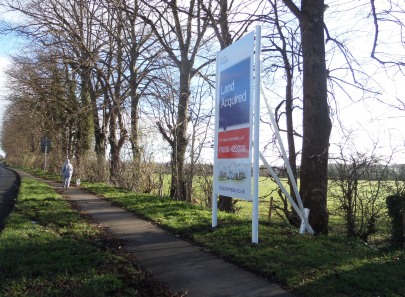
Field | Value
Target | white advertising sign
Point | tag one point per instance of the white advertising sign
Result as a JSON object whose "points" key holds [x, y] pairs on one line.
{"points": [[233, 119]]}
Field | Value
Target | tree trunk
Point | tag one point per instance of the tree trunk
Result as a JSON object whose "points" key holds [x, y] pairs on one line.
{"points": [[84, 119], [225, 203], [134, 79], [293, 217], [84, 127], [136, 150], [179, 181], [99, 134], [316, 122], [114, 164], [116, 141]]}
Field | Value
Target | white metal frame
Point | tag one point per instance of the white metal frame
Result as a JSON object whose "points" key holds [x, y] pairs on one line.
{"points": [[301, 211]]}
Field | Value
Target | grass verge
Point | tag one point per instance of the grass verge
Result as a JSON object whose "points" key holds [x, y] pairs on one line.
{"points": [[331, 265], [49, 249]]}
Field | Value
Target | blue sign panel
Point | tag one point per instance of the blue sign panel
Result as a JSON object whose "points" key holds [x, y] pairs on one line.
{"points": [[234, 95]]}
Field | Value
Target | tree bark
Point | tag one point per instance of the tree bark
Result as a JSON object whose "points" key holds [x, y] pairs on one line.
{"points": [[316, 122], [292, 158], [84, 119], [225, 39], [288, 64], [179, 180]]}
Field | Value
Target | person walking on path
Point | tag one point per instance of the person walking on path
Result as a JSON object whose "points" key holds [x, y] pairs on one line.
{"points": [[67, 171]]}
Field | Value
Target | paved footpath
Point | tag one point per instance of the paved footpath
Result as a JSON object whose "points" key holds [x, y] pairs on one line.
{"points": [[182, 266]]}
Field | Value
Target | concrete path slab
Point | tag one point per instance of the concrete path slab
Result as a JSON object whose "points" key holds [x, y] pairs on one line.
{"points": [[182, 266]]}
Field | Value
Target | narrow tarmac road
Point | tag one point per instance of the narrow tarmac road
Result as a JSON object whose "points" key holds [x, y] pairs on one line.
{"points": [[9, 183]]}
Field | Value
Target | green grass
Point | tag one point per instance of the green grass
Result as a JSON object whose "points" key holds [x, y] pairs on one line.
{"points": [[48, 249], [331, 265]]}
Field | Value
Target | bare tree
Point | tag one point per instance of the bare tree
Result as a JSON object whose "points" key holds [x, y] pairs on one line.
{"points": [[140, 52], [339, 82], [18, 137], [282, 54], [201, 112], [40, 87], [181, 31], [71, 26], [388, 47], [316, 122], [390, 12], [103, 44]]}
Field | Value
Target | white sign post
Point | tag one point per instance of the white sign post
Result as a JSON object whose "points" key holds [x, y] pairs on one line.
{"points": [[235, 95]]}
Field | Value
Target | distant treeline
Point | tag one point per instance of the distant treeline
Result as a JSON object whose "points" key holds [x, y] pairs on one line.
{"points": [[361, 171], [368, 172], [335, 171]]}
